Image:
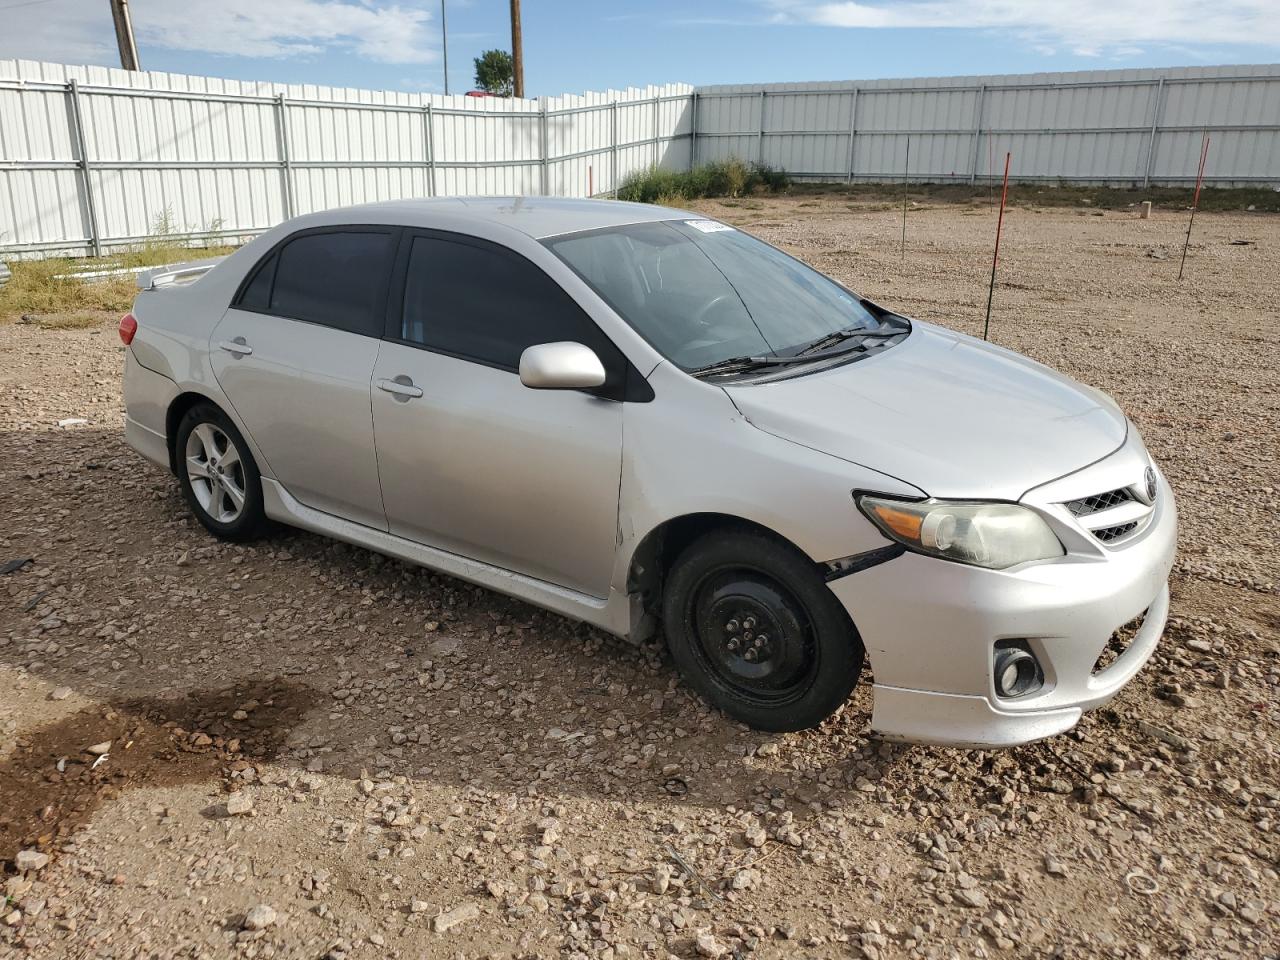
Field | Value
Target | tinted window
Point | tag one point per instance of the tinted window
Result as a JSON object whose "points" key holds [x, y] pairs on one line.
{"points": [[335, 279], [257, 293], [700, 291], [486, 305]]}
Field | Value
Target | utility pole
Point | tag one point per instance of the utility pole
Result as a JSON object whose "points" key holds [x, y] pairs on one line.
{"points": [[444, 44], [124, 34], [517, 53]]}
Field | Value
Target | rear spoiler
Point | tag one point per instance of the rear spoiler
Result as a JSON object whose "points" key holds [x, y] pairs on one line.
{"points": [[174, 274]]}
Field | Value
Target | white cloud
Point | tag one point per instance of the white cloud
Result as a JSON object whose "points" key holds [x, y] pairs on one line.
{"points": [[74, 31], [1085, 27], [388, 33]]}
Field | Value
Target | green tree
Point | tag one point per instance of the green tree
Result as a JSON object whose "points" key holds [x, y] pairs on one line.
{"points": [[494, 73]]}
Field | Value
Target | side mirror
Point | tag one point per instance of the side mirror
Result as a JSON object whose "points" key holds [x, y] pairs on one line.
{"points": [[560, 366]]}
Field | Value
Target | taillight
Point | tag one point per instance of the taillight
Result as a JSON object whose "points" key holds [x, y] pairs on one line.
{"points": [[128, 327]]}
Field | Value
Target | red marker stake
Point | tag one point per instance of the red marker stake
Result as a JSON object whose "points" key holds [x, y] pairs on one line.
{"points": [[1195, 200], [996, 256], [906, 164]]}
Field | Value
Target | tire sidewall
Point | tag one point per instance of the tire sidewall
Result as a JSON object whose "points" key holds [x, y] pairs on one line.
{"points": [[250, 522], [839, 649]]}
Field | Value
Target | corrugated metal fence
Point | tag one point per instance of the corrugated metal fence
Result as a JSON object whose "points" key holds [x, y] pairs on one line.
{"points": [[92, 158], [1121, 127]]}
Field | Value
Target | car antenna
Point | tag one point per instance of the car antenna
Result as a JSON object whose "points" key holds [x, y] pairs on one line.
{"points": [[1195, 200], [1004, 193]]}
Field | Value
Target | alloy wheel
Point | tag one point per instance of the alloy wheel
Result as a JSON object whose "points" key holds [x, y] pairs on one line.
{"points": [[215, 472]]}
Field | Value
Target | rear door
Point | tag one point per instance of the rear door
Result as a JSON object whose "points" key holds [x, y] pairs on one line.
{"points": [[474, 462], [295, 354]]}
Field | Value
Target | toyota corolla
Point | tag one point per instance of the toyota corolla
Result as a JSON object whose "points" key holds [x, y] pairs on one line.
{"points": [[651, 421]]}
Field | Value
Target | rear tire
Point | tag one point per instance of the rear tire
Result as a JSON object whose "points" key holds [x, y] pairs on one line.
{"points": [[755, 630], [218, 476]]}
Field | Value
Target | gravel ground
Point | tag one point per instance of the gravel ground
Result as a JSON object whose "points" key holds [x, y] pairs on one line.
{"points": [[312, 751]]}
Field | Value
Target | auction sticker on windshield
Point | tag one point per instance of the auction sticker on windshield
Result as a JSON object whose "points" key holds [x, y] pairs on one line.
{"points": [[708, 226]]}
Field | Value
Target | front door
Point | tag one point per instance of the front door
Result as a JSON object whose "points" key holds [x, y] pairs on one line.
{"points": [[471, 460], [295, 354]]}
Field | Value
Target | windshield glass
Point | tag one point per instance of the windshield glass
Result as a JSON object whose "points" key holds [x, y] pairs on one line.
{"points": [[701, 292]]}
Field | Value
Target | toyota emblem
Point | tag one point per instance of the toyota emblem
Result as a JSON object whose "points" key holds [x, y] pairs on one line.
{"points": [[1150, 478]]}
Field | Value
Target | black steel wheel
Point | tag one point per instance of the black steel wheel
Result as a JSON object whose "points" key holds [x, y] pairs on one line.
{"points": [[753, 628], [752, 634]]}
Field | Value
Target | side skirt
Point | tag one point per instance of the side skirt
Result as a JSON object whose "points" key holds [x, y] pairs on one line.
{"points": [[612, 614]]}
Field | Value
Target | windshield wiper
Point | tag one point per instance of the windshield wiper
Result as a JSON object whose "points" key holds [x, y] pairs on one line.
{"points": [[850, 333], [743, 364]]}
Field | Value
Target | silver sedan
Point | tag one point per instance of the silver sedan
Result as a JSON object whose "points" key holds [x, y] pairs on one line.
{"points": [[648, 420]]}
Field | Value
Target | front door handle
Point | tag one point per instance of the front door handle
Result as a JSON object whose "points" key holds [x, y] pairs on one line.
{"points": [[237, 347], [401, 388]]}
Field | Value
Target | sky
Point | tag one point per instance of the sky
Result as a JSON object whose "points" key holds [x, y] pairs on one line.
{"points": [[571, 45]]}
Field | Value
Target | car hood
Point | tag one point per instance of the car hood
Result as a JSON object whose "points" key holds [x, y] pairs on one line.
{"points": [[949, 414]]}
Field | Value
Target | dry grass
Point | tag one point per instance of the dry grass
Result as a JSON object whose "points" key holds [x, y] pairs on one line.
{"points": [[41, 287]]}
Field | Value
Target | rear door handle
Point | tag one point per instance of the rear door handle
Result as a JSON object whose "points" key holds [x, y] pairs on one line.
{"points": [[237, 347], [401, 388]]}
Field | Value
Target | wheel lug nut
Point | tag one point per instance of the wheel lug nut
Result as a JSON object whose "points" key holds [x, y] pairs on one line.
{"points": [[731, 626], [749, 623], [750, 656], [732, 646]]}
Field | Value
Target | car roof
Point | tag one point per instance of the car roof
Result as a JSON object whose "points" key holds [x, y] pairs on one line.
{"points": [[537, 217]]}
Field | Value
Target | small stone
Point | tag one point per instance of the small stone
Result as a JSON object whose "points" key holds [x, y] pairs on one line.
{"points": [[13, 918], [767, 750], [98, 749], [260, 917], [1053, 866], [709, 946], [239, 804], [60, 693], [30, 860], [972, 898], [451, 918], [419, 906], [755, 836], [661, 878]]}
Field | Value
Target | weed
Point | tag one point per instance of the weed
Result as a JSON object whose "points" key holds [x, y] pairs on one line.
{"points": [[723, 178]]}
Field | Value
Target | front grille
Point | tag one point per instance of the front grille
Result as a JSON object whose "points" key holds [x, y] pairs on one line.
{"points": [[1118, 643], [1112, 534], [1099, 502]]}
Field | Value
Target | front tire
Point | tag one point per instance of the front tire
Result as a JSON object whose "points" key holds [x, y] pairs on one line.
{"points": [[755, 630], [218, 476]]}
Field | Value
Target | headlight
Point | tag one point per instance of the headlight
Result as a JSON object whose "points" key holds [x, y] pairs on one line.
{"points": [[995, 535]]}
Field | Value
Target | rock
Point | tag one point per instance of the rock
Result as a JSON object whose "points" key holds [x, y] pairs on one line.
{"points": [[767, 750], [746, 879], [259, 917], [1053, 867], [13, 918], [419, 906], [451, 918], [60, 693], [661, 878], [709, 946], [755, 836], [972, 898], [30, 860], [98, 749], [239, 804]]}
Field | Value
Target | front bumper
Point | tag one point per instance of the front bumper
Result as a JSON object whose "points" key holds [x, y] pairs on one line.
{"points": [[930, 628]]}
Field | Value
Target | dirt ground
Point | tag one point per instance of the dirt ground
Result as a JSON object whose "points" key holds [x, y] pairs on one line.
{"points": [[318, 752]]}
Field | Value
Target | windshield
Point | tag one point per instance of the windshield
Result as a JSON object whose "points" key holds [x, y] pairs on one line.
{"points": [[702, 292]]}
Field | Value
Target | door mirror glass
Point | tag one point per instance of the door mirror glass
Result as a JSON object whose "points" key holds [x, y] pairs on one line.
{"points": [[561, 366]]}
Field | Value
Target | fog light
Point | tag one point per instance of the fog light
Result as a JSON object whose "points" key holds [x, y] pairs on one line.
{"points": [[1017, 672]]}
